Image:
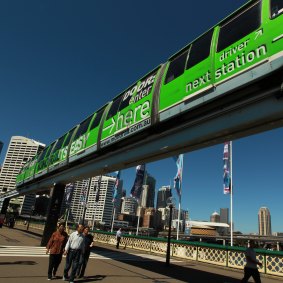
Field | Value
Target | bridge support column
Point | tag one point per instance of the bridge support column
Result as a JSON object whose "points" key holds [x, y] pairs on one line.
{"points": [[4, 206], [53, 211]]}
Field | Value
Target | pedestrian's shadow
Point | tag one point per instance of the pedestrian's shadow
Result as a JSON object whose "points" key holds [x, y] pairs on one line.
{"points": [[21, 262], [92, 278]]}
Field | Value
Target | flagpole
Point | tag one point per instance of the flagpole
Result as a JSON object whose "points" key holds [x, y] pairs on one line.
{"points": [[86, 200], [180, 195], [94, 215], [231, 194], [114, 212], [179, 214], [139, 201]]}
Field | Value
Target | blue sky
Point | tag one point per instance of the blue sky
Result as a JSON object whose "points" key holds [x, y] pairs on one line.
{"points": [[62, 60]]}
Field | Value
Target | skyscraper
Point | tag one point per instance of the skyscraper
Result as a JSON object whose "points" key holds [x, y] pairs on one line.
{"points": [[129, 206], [102, 210], [163, 194], [224, 215], [20, 150], [264, 221], [148, 192], [1, 146], [215, 217]]}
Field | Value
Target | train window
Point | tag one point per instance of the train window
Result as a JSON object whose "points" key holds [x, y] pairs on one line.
{"points": [[83, 127], [69, 137], [50, 149], [239, 26], [41, 156], [97, 118], [59, 143], [176, 67], [126, 99], [276, 8], [114, 107], [200, 49]]}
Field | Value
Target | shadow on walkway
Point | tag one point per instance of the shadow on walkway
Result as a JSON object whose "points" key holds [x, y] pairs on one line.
{"points": [[183, 273], [21, 262]]}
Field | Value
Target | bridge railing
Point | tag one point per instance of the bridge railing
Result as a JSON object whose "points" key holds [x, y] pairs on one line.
{"points": [[232, 257]]}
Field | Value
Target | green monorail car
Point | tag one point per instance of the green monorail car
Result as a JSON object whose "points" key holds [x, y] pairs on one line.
{"points": [[242, 52]]}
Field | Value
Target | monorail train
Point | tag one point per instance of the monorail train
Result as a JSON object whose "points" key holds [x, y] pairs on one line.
{"points": [[243, 50]]}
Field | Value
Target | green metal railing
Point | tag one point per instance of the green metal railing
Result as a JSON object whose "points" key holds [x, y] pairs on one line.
{"points": [[232, 257]]}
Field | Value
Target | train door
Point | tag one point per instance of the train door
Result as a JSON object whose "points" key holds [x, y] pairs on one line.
{"points": [[273, 16], [78, 144], [130, 112], [241, 46], [188, 75]]}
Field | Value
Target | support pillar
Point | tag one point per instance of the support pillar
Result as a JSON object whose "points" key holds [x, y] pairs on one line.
{"points": [[53, 211], [5, 205]]}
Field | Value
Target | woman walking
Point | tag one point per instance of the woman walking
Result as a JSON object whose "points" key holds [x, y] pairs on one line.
{"points": [[55, 248]]}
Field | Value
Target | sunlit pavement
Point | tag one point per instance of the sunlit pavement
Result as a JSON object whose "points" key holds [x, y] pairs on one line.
{"points": [[28, 263]]}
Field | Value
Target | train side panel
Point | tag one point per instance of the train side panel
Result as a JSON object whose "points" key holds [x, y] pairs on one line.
{"points": [[130, 112], [244, 48]]}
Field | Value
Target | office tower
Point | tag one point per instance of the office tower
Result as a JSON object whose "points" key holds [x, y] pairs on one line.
{"points": [[1, 146], [148, 192], [224, 218], [20, 150], [101, 210], [163, 194], [150, 182], [129, 206], [264, 222], [224, 215], [215, 217]]}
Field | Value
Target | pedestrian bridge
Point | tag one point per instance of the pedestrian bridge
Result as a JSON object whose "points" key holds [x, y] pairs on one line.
{"points": [[226, 256]]}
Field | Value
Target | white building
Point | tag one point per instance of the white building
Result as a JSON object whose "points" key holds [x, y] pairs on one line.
{"points": [[20, 150], [264, 222], [100, 211], [129, 206]]}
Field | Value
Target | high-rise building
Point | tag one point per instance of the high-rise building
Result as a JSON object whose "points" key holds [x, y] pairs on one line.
{"points": [[1, 146], [224, 215], [20, 150], [129, 206], [224, 218], [264, 222], [215, 217], [150, 182], [163, 194], [100, 211]]}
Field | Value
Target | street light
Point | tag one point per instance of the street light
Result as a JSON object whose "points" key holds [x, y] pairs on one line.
{"points": [[170, 203], [31, 212]]}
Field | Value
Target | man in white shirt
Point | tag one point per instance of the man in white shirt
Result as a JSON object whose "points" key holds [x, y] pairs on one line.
{"points": [[118, 237], [73, 250], [251, 265]]}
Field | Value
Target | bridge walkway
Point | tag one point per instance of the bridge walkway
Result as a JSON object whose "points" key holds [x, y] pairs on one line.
{"points": [[23, 260]]}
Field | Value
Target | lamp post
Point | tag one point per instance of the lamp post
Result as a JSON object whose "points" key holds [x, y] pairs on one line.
{"points": [[170, 203], [31, 212]]}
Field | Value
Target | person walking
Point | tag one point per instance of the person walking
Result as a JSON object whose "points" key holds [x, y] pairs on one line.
{"points": [[73, 250], [251, 265], [86, 252], [118, 237], [55, 247]]}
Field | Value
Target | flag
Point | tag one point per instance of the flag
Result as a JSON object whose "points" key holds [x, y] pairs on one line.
{"points": [[69, 189], [115, 188], [84, 194], [178, 178], [226, 169], [98, 189], [137, 186]]}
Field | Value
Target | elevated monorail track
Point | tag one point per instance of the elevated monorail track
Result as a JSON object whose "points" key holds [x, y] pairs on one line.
{"points": [[230, 120]]}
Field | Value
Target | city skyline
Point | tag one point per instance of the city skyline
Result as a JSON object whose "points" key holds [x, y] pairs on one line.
{"points": [[215, 215], [60, 65]]}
